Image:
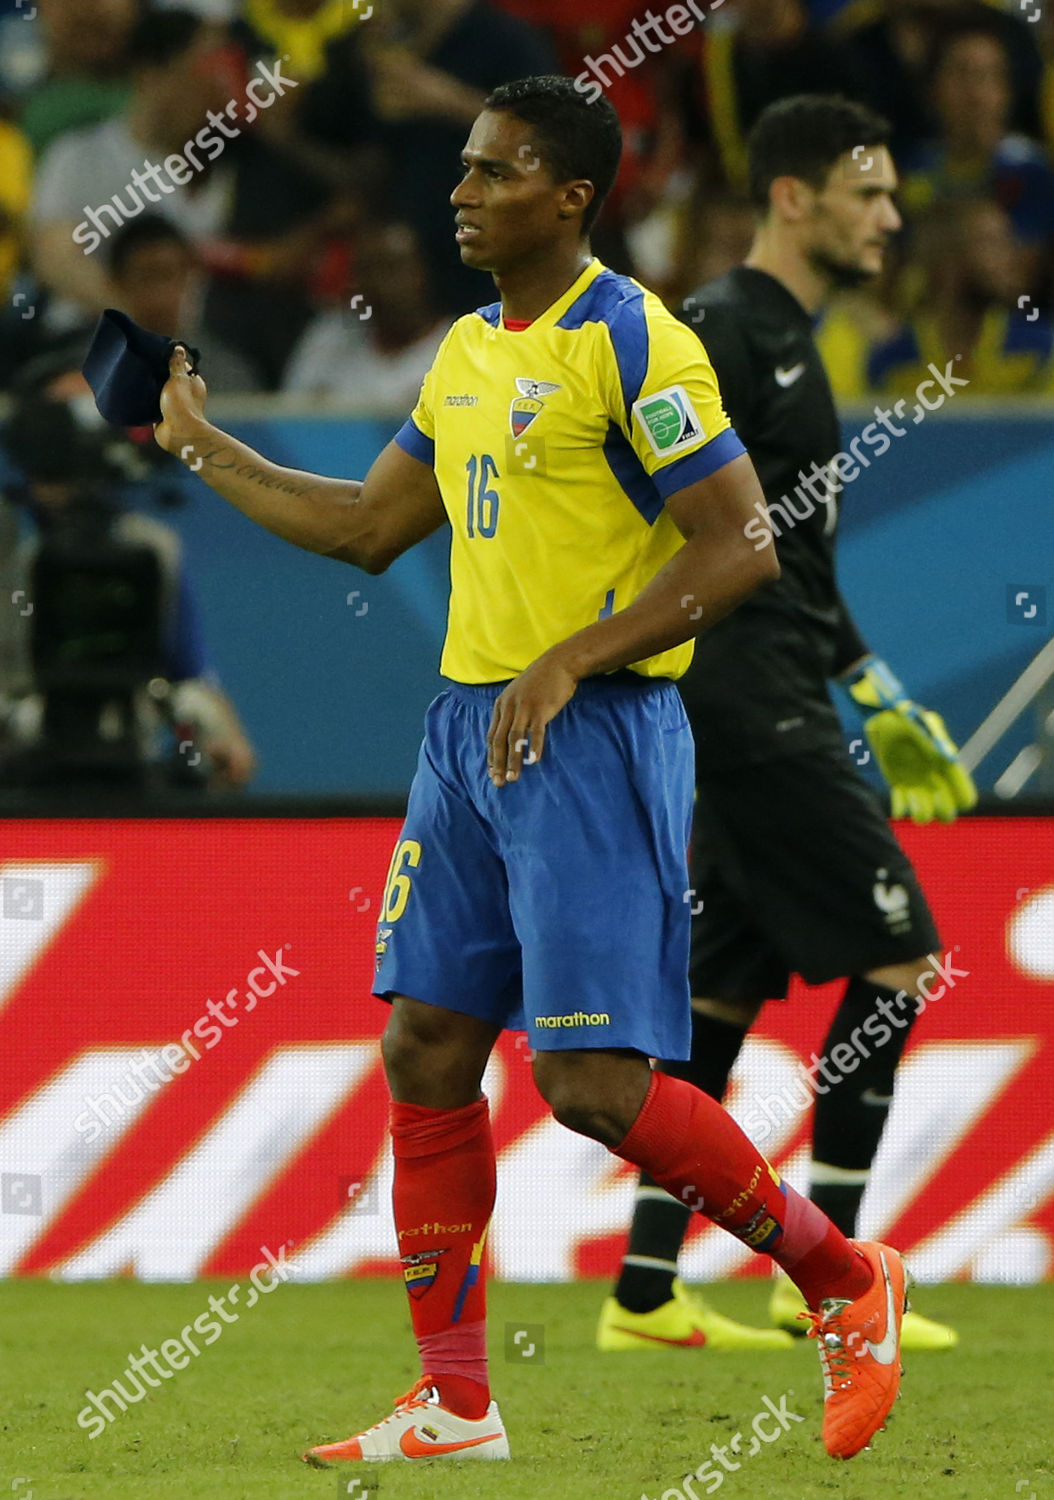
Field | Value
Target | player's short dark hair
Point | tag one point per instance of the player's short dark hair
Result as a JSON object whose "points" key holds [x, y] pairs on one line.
{"points": [[160, 36], [146, 229], [804, 136], [577, 137]]}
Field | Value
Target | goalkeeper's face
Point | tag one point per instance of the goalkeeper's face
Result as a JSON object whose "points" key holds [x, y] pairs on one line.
{"points": [[853, 217], [509, 209]]}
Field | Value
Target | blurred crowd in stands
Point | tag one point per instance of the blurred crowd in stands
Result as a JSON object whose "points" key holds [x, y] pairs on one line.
{"points": [[269, 178]]}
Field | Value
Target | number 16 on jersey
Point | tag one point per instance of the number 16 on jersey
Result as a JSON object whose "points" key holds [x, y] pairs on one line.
{"points": [[483, 501]]}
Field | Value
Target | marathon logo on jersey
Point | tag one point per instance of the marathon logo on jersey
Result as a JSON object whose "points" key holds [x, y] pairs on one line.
{"points": [[670, 420], [526, 406]]}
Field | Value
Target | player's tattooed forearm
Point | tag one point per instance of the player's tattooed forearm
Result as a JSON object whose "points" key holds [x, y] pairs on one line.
{"points": [[226, 460]]}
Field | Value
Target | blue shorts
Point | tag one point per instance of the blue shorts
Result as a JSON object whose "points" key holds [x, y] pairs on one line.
{"points": [[558, 903]]}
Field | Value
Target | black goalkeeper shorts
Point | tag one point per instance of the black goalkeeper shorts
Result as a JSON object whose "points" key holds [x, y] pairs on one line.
{"points": [[798, 872]]}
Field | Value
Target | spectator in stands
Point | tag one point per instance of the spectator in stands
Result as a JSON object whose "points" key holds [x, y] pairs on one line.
{"points": [[87, 67], [973, 153], [16, 170], [175, 85], [720, 236], [892, 41], [412, 82], [299, 31], [694, 234], [156, 277], [974, 316], [373, 352], [23, 59], [62, 449], [852, 323], [256, 219], [766, 50]]}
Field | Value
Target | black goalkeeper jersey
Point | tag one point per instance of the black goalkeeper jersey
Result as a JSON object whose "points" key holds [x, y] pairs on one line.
{"points": [[757, 686]]}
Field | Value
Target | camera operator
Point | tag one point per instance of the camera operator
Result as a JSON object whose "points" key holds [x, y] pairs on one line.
{"points": [[112, 650]]}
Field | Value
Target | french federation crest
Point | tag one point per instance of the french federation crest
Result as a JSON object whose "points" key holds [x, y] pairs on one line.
{"points": [[528, 403]]}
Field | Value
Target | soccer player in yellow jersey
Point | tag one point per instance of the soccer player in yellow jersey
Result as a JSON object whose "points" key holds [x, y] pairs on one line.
{"points": [[572, 438]]}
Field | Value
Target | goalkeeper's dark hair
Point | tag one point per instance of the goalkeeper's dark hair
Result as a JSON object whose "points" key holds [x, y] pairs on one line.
{"points": [[576, 138], [804, 136]]}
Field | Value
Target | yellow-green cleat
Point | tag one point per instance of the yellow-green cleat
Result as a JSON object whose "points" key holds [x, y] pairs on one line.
{"points": [[916, 1332], [685, 1322]]}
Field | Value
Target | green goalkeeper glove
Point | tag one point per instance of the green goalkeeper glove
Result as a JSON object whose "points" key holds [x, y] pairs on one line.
{"points": [[913, 749]]}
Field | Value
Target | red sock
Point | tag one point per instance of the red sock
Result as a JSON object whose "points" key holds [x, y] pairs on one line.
{"points": [[443, 1198], [697, 1152]]}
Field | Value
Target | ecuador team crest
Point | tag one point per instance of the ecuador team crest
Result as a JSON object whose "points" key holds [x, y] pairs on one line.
{"points": [[528, 403], [421, 1271]]}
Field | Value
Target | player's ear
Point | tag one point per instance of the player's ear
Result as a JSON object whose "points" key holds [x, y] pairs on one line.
{"points": [[790, 197], [575, 198]]}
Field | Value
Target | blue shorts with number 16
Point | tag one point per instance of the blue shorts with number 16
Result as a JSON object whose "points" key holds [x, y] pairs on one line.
{"points": [[557, 903]]}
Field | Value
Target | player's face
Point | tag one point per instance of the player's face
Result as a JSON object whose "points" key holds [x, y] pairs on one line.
{"points": [[508, 206], [854, 216]]}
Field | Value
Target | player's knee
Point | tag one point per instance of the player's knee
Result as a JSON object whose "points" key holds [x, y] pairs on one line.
{"points": [[434, 1057], [594, 1094], [586, 1117], [401, 1051], [413, 1038]]}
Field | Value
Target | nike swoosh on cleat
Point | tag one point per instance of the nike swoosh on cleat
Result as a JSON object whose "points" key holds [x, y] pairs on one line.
{"points": [[870, 1097], [886, 1351], [695, 1340], [413, 1447]]}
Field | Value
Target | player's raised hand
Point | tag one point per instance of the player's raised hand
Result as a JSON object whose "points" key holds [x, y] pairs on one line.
{"points": [[182, 404], [521, 715]]}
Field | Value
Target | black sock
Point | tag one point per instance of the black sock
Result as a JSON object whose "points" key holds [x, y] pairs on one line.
{"points": [[659, 1221], [851, 1116]]}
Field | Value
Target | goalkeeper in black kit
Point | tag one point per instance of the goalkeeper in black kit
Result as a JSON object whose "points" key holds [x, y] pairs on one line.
{"points": [[794, 866]]}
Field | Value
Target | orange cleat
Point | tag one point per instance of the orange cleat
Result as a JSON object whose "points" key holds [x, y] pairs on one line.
{"points": [[419, 1428], [859, 1344]]}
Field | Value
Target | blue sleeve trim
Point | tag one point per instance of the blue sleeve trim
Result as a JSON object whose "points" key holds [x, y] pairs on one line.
{"points": [[618, 302], [412, 440], [629, 339], [631, 474], [701, 464]]}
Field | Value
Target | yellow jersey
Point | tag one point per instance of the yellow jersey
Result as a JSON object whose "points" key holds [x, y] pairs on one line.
{"points": [[555, 449]]}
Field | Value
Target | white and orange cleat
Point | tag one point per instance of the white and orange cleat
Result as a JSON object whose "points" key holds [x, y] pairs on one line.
{"points": [[419, 1428], [859, 1344]]}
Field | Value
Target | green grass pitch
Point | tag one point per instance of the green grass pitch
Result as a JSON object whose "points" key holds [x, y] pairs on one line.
{"points": [[313, 1363]]}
